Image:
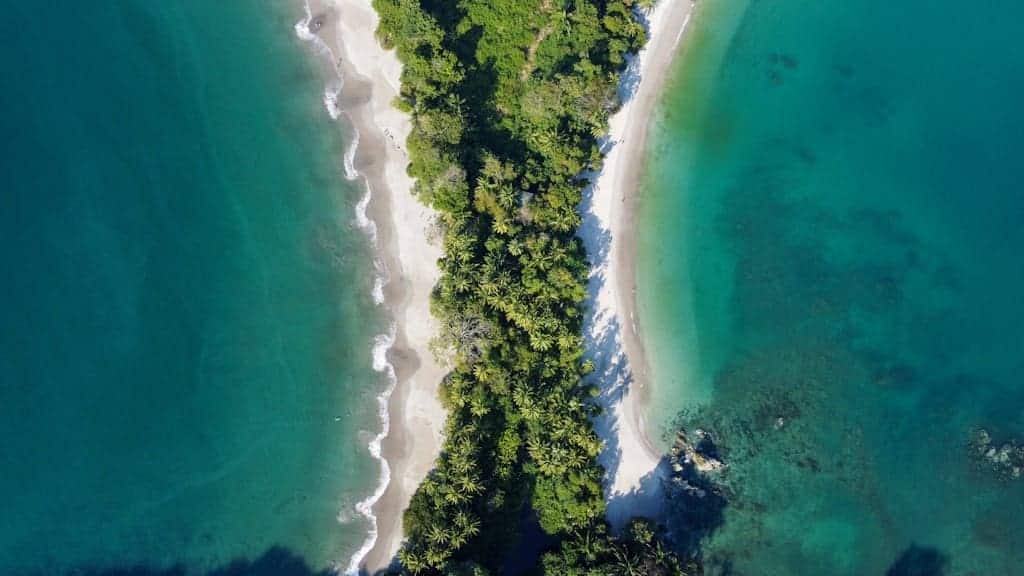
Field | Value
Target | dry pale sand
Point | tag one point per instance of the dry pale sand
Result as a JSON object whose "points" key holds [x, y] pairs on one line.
{"points": [[370, 84], [613, 337]]}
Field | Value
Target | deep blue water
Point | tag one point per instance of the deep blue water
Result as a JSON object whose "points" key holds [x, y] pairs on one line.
{"points": [[184, 360], [830, 280]]}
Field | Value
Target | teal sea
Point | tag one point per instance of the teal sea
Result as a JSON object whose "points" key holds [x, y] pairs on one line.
{"points": [[830, 281], [185, 368]]}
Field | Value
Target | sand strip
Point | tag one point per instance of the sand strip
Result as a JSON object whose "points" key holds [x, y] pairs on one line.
{"points": [[612, 334], [414, 419]]}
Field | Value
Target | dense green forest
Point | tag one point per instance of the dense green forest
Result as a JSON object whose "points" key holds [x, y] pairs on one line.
{"points": [[508, 100]]}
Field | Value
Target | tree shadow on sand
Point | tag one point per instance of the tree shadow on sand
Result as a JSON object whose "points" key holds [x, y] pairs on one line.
{"points": [[612, 376]]}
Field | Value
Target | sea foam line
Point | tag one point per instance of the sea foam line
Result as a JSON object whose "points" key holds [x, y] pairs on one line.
{"points": [[382, 343], [350, 154], [381, 276]]}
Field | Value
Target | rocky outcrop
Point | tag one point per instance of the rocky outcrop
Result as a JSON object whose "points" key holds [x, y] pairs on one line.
{"points": [[691, 462], [694, 491], [1007, 459], [700, 454]]}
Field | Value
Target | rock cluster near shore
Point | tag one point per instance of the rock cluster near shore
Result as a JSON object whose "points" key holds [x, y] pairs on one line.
{"points": [[694, 491], [700, 454], [1007, 460], [690, 461]]}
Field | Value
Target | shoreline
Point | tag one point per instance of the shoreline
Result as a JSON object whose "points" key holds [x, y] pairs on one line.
{"points": [[412, 418], [633, 465]]}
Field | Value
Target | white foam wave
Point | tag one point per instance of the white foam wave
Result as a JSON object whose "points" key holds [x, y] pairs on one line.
{"points": [[362, 220], [302, 26], [304, 33], [331, 104], [350, 157], [367, 224], [382, 343], [378, 290]]}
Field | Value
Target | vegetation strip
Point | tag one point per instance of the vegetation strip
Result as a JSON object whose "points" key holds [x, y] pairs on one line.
{"points": [[508, 100]]}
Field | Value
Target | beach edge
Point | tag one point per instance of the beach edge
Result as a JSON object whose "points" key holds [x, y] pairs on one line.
{"points": [[412, 416], [612, 332]]}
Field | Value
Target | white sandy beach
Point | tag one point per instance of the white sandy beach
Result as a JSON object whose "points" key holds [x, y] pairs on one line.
{"points": [[416, 417], [613, 336]]}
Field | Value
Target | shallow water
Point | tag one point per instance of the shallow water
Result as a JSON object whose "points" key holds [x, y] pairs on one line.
{"points": [[829, 280], [185, 376]]}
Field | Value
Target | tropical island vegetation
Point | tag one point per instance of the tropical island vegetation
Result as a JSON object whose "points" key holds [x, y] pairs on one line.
{"points": [[509, 99]]}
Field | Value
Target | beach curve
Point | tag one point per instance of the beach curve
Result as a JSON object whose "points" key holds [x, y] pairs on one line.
{"points": [[612, 334]]}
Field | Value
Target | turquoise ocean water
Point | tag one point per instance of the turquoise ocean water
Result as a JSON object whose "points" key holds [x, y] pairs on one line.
{"points": [[185, 371], [831, 280]]}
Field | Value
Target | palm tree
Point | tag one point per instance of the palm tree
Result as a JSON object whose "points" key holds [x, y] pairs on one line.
{"points": [[412, 561], [438, 535], [469, 525], [459, 463], [489, 287], [507, 197], [455, 497], [503, 226], [470, 484], [541, 341], [462, 283], [478, 406], [626, 564], [436, 558]]}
